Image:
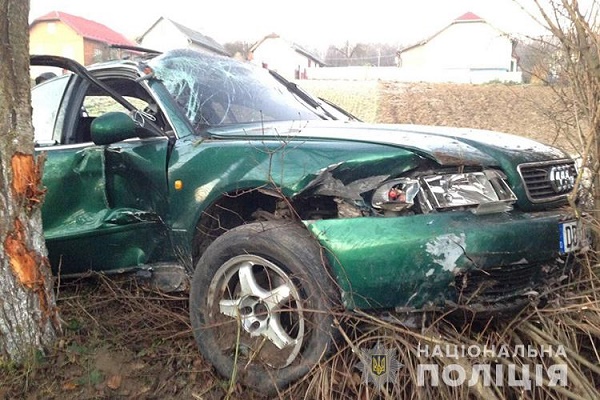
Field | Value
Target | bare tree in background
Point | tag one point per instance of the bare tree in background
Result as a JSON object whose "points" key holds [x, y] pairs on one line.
{"points": [[28, 315], [346, 55], [572, 64], [238, 50], [537, 60]]}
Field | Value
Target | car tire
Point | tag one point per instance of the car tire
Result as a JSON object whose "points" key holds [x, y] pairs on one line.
{"points": [[261, 304]]}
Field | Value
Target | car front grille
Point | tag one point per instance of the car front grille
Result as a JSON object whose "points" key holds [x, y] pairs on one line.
{"points": [[548, 181], [503, 282]]}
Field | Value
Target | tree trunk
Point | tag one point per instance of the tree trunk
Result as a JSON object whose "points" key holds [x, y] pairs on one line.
{"points": [[28, 314]]}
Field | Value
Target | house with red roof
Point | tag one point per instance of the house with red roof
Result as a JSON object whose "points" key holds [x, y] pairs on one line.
{"points": [[84, 40], [469, 48]]}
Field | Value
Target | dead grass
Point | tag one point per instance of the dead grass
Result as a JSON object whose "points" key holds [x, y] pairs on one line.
{"points": [[120, 340], [124, 341], [570, 319], [360, 98]]}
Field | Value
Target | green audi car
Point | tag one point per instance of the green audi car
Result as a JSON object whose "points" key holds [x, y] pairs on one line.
{"points": [[283, 209]]}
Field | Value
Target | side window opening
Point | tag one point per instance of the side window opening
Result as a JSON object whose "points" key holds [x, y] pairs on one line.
{"points": [[94, 106], [46, 99], [96, 102]]}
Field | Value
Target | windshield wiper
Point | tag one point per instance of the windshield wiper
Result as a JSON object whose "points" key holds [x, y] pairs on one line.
{"points": [[303, 95], [339, 109]]}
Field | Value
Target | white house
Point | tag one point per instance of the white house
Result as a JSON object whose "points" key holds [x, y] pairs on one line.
{"points": [[469, 48], [287, 58], [166, 34]]}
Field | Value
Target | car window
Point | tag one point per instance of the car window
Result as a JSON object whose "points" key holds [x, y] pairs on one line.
{"points": [[94, 106], [97, 102], [214, 91], [45, 100]]}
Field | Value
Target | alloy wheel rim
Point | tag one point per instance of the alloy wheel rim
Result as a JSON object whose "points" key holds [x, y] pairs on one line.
{"points": [[266, 304]]}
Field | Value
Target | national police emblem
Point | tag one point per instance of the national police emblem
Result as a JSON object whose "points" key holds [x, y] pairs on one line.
{"points": [[379, 365]]}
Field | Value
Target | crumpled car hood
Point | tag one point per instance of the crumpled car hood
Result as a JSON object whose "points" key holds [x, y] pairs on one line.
{"points": [[446, 145]]}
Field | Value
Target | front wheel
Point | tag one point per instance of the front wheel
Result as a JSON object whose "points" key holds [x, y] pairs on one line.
{"points": [[261, 304]]}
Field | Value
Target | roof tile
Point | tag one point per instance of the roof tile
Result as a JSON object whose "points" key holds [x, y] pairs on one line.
{"points": [[88, 29], [469, 16]]}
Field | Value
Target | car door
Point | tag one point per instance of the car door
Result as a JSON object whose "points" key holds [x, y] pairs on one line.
{"points": [[104, 204]]}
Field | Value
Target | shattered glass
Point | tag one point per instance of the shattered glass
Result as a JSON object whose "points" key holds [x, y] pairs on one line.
{"points": [[214, 91]]}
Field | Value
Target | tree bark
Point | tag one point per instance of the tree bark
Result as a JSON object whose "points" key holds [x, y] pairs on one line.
{"points": [[28, 313]]}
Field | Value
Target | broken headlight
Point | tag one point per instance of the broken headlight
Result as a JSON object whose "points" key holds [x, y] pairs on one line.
{"points": [[396, 195], [483, 192], [486, 190]]}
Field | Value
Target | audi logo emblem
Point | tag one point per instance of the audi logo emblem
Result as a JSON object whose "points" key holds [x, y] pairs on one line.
{"points": [[561, 178]]}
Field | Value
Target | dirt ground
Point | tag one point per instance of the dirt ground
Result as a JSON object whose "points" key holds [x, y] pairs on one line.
{"points": [[524, 110], [121, 341], [532, 111]]}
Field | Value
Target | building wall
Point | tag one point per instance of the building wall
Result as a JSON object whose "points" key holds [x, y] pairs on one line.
{"points": [[278, 55], [463, 45], [164, 36], [96, 52], [56, 38], [413, 75]]}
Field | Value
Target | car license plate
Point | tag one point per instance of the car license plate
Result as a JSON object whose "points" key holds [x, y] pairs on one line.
{"points": [[570, 236]]}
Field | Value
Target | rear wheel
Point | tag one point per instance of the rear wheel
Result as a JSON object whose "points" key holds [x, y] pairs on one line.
{"points": [[260, 304]]}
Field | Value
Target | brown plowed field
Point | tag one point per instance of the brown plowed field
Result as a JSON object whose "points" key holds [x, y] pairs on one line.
{"points": [[526, 110]]}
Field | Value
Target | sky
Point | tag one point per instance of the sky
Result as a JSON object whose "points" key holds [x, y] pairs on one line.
{"points": [[315, 24]]}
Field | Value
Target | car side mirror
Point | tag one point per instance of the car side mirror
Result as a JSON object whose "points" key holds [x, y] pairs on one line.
{"points": [[112, 127]]}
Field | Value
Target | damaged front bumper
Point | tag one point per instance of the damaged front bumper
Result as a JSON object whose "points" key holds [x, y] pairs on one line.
{"points": [[435, 260]]}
